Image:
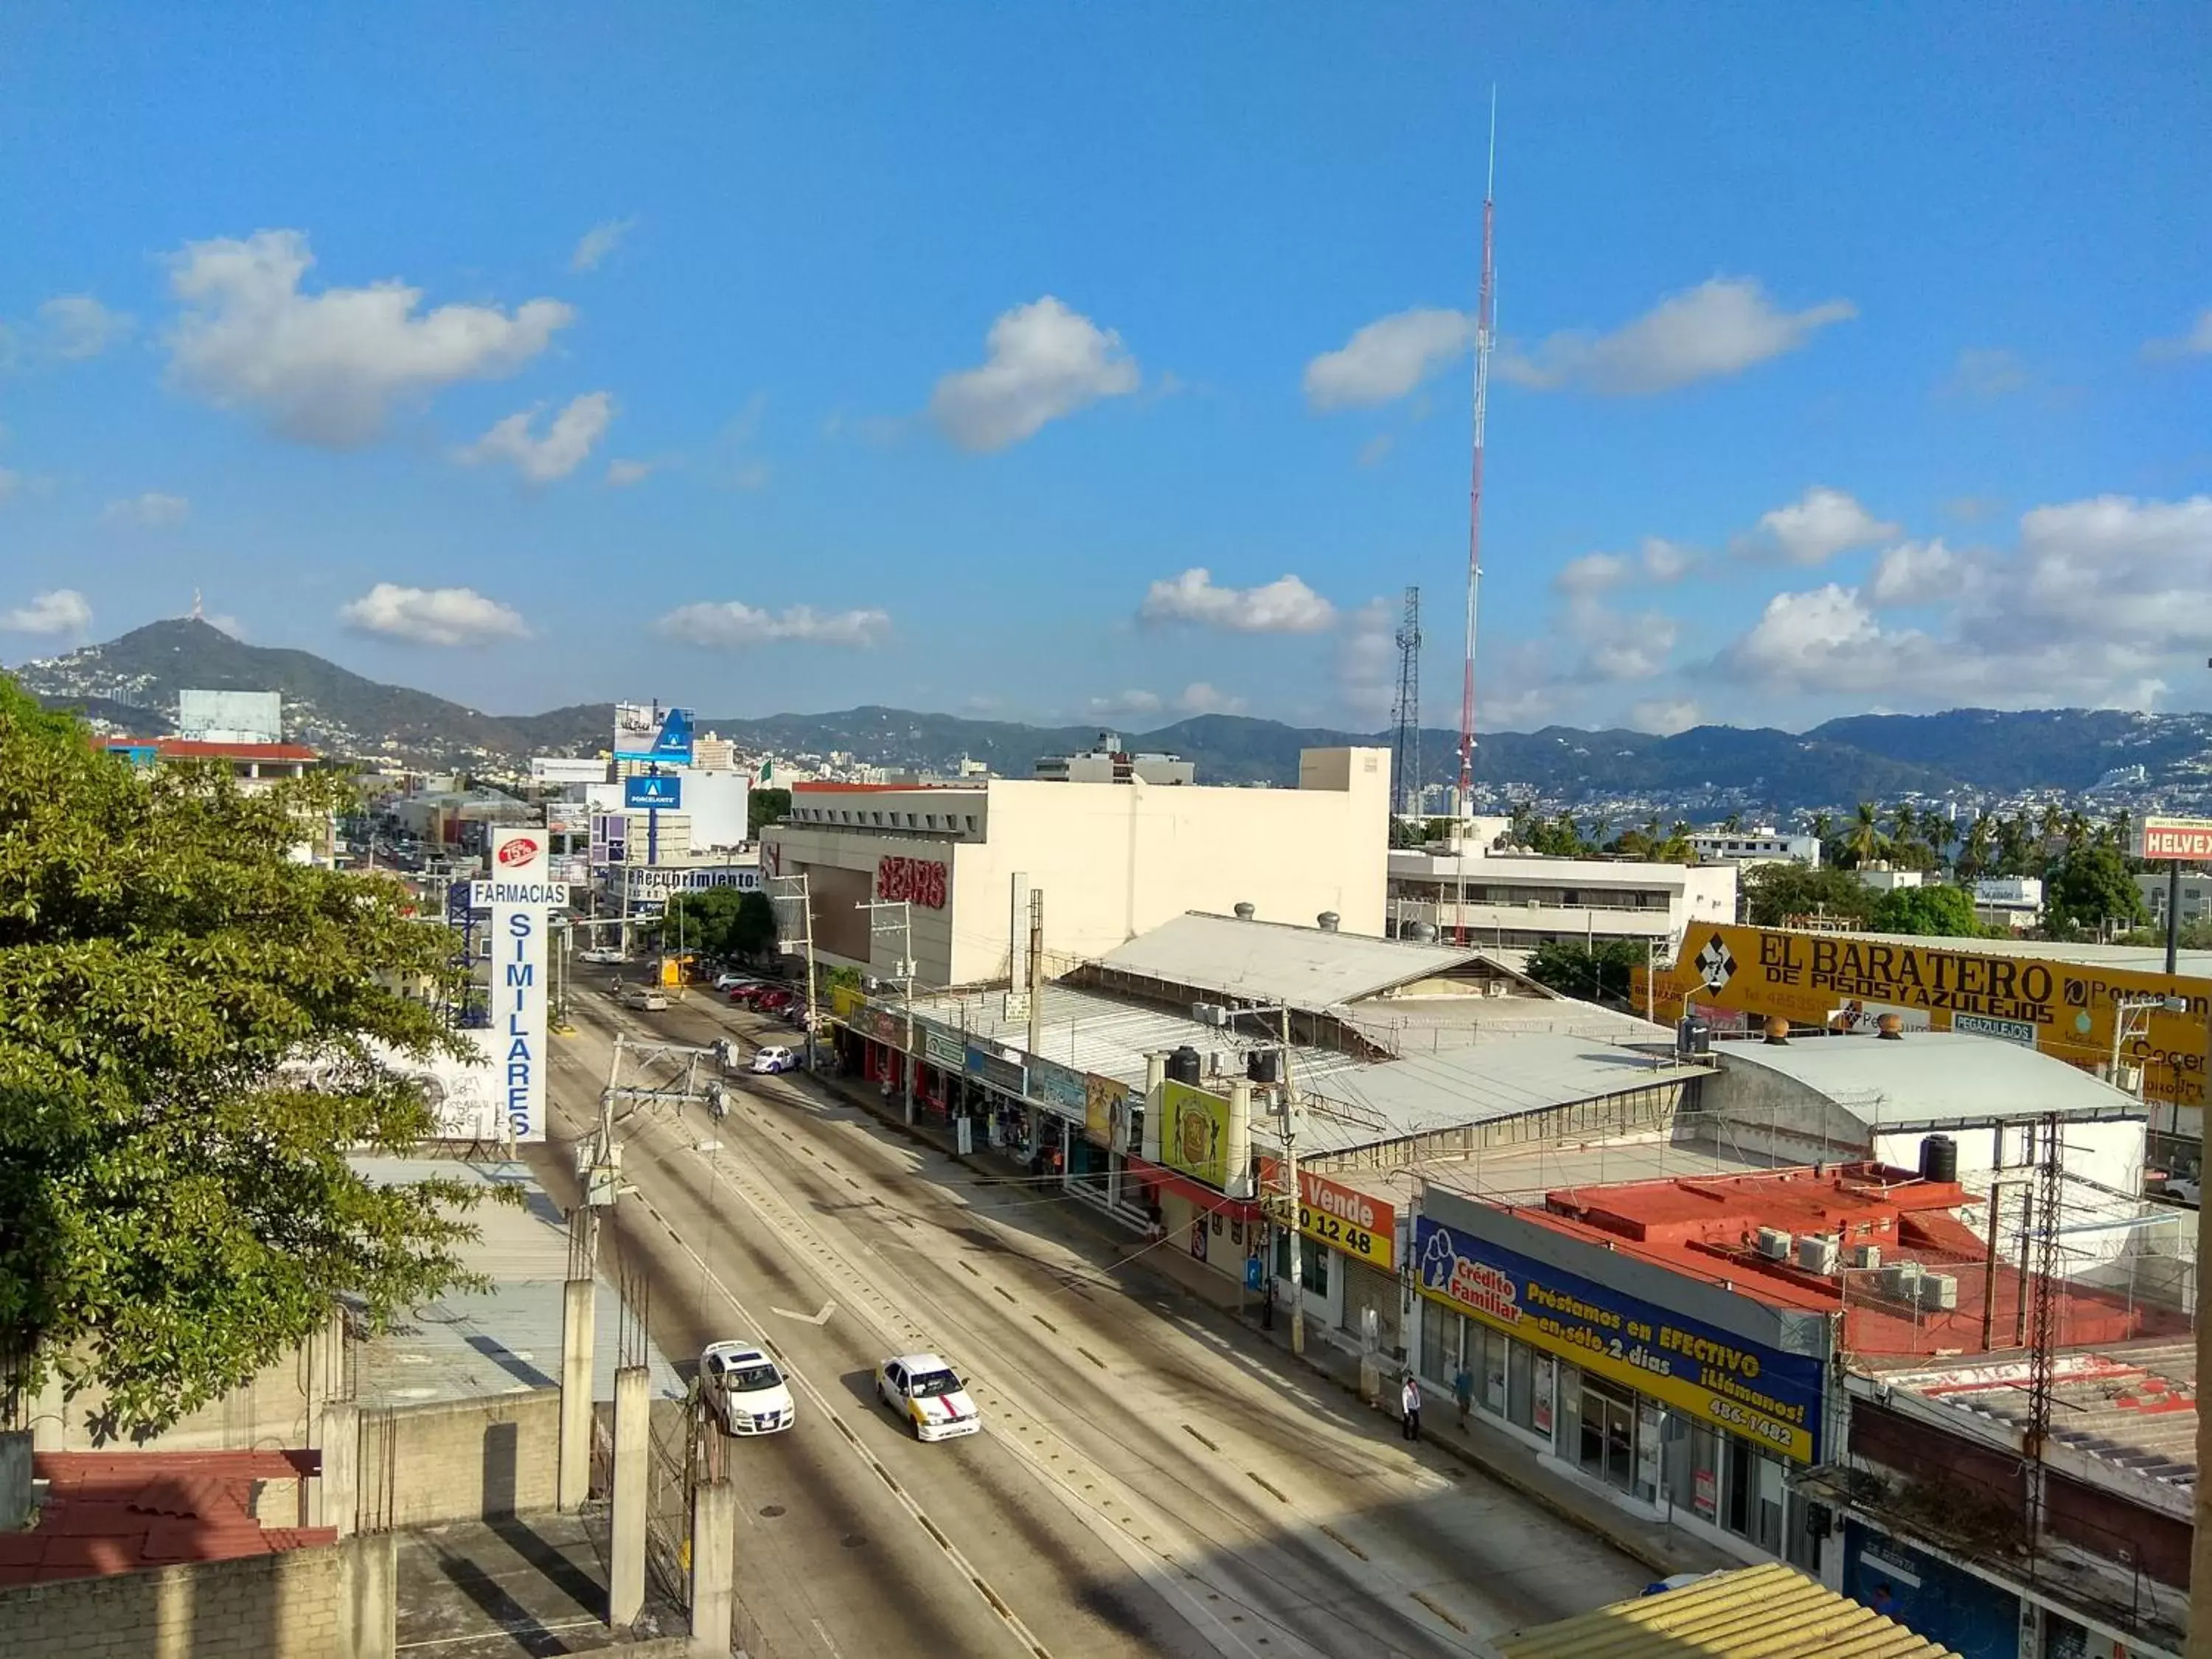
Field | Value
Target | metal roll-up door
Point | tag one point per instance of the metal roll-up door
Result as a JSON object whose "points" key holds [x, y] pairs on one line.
{"points": [[1366, 1287]]}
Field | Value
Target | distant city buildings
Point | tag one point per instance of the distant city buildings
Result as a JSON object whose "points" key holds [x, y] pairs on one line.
{"points": [[1763, 845], [1106, 761]]}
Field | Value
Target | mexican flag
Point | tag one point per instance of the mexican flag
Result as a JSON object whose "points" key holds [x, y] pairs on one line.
{"points": [[767, 771]]}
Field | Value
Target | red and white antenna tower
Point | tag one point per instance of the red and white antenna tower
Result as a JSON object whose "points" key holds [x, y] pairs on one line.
{"points": [[1482, 332]]}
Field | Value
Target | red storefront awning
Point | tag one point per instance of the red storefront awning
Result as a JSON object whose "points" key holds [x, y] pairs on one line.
{"points": [[1205, 1197]]}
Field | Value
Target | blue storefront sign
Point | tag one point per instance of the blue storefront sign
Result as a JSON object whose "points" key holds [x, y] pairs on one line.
{"points": [[1057, 1088], [998, 1073], [1928, 1596], [1718, 1378], [653, 791]]}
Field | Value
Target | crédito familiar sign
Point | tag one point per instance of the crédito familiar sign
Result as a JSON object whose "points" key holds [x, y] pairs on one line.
{"points": [[1195, 1134], [1729, 1381], [2066, 1009], [1343, 1218]]}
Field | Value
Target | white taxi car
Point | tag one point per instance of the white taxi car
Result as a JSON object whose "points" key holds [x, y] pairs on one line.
{"points": [[745, 1389], [928, 1392]]}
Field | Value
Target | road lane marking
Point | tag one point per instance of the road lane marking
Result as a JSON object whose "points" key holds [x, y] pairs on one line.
{"points": [[822, 1318]]}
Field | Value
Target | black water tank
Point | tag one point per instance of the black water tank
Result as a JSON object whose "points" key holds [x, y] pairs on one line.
{"points": [[1938, 1159], [1260, 1064], [1184, 1065], [1692, 1035]]}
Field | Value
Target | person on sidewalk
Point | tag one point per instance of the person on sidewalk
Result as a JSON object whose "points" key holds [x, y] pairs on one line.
{"points": [[1409, 1405], [1463, 1392]]}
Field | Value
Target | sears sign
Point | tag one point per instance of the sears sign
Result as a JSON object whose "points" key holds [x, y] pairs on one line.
{"points": [[518, 895]]}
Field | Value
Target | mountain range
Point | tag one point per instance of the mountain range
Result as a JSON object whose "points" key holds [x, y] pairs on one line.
{"points": [[130, 684]]}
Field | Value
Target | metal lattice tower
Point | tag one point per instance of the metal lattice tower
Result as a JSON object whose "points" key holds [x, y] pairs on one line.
{"points": [[1405, 711]]}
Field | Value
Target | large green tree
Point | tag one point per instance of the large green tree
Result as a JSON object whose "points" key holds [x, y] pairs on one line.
{"points": [[177, 1209], [1598, 974], [1774, 892], [1937, 912], [2089, 887]]}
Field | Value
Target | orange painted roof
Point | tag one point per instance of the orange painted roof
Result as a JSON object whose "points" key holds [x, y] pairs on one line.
{"points": [[108, 1512]]}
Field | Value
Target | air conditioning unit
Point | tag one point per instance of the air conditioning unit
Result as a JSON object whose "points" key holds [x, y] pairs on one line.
{"points": [[1901, 1279], [1866, 1255], [1209, 1013], [1817, 1254], [1774, 1244], [1938, 1291], [1495, 988]]}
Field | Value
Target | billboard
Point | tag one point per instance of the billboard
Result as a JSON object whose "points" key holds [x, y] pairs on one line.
{"points": [[1343, 1218], [1721, 1379], [2065, 1009], [1057, 1088], [645, 731], [2180, 840], [520, 893], [1195, 1134], [660, 881], [610, 837], [563, 768], [230, 716], [658, 792]]}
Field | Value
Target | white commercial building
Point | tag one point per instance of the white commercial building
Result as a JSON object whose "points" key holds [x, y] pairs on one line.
{"points": [[1515, 900], [2195, 895], [1764, 845], [1112, 860], [2015, 902]]}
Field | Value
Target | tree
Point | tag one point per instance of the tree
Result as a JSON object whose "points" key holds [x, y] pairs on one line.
{"points": [[752, 930], [705, 921], [1593, 974], [766, 806], [1940, 912], [1775, 892], [176, 1208], [2087, 889], [1864, 841]]}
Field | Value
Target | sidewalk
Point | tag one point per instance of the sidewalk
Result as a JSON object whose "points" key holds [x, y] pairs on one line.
{"points": [[1665, 1550]]}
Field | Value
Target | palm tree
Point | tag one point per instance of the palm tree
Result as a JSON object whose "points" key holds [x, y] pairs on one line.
{"points": [[1902, 822], [1864, 843], [2074, 827], [1975, 853], [1939, 833], [2012, 845], [1732, 825], [1821, 826], [2054, 821]]}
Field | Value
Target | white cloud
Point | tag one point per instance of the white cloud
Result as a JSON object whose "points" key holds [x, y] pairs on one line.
{"points": [[223, 621], [2195, 341], [1387, 358], [1657, 560], [1915, 573], [62, 611], [1285, 606], [1126, 702], [432, 616], [78, 326], [1045, 362], [622, 474], [1199, 698], [1719, 328], [1373, 451], [1619, 647], [598, 241], [1665, 715], [2105, 602], [566, 443], [151, 511], [326, 368], [1815, 527], [731, 625], [1986, 372], [1367, 661]]}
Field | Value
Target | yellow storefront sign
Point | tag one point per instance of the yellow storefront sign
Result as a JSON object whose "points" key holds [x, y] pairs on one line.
{"points": [[2065, 1009], [1195, 1132]]}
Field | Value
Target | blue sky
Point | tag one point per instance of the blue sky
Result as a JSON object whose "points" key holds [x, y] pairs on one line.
{"points": [[795, 357]]}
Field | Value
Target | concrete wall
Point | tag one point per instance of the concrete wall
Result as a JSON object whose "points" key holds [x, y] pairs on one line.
{"points": [[279, 1409], [1115, 860], [460, 1459], [329, 1603]]}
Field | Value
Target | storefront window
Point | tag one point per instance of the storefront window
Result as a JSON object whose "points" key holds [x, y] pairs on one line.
{"points": [[1606, 1441], [1489, 1366], [1767, 1517], [1739, 1486], [1313, 1263], [1521, 1386], [1442, 1335]]}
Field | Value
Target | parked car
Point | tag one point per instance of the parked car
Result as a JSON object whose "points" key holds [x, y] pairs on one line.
{"points": [[776, 1058], [600, 953], [929, 1394], [744, 1389], [732, 981], [749, 994], [644, 997], [773, 1001]]}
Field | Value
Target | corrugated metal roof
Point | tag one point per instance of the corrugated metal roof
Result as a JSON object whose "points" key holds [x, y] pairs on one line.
{"points": [[1932, 1077], [506, 1339], [1771, 1611], [1277, 961]]}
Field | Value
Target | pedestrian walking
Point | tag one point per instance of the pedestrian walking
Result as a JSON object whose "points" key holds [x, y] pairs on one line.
{"points": [[1463, 1392], [1409, 1404]]}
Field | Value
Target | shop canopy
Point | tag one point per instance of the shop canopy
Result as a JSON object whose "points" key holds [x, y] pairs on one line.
{"points": [[1772, 1612]]}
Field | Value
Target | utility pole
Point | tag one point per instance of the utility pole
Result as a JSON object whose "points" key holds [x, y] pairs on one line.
{"points": [[806, 900], [904, 973], [1291, 1168], [1036, 970]]}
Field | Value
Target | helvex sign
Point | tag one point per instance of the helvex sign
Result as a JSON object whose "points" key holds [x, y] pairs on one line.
{"points": [[2184, 840]]}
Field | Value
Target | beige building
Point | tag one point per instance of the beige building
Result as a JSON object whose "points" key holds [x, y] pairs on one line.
{"points": [[1112, 860], [1515, 900]]}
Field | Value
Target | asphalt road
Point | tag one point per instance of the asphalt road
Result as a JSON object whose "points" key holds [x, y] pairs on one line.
{"points": [[1152, 1479]]}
